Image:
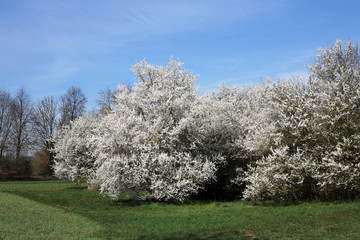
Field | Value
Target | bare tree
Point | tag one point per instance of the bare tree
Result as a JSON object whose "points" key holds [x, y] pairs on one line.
{"points": [[72, 105], [106, 100], [45, 120], [21, 118], [5, 121], [45, 124]]}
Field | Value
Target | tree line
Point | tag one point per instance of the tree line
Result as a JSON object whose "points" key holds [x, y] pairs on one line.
{"points": [[27, 129], [161, 140]]}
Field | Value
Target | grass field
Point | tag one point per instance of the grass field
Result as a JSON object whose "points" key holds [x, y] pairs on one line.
{"points": [[59, 210]]}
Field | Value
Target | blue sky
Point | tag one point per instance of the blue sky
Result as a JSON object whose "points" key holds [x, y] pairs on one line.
{"points": [[47, 46]]}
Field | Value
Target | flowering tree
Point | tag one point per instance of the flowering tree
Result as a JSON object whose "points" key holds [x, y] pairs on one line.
{"points": [[74, 150], [335, 83], [225, 124], [141, 143], [316, 154]]}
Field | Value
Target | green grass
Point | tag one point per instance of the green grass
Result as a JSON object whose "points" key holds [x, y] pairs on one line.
{"points": [[60, 210]]}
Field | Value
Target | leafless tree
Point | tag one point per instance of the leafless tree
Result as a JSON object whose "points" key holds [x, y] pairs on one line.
{"points": [[72, 105], [21, 118], [106, 100], [45, 120], [45, 124], [5, 121]]}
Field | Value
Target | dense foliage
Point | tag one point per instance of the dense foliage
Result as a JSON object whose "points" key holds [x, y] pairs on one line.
{"points": [[291, 139]]}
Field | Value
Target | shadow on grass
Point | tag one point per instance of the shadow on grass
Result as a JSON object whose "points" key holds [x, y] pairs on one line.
{"points": [[26, 178], [78, 187], [131, 202], [218, 235], [273, 203], [85, 198]]}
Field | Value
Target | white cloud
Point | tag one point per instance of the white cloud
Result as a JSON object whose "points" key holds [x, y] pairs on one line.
{"points": [[61, 39], [67, 25]]}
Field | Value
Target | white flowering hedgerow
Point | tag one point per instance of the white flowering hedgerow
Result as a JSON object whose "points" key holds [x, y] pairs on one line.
{"points": [[293, 139]]}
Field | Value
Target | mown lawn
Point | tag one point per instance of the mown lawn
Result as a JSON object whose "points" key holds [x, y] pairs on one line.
{"points": [[60, 210]]}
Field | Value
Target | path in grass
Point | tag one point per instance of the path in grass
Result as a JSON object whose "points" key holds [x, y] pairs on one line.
{"points": [[102, 218]]}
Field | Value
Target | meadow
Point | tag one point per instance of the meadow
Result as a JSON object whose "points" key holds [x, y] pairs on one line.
{"points": [[58, 209]]}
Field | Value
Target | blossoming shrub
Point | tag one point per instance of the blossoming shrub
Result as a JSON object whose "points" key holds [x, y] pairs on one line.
{"points": [[318, 124], [290, 139], [74, 150], [140, 146]]}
